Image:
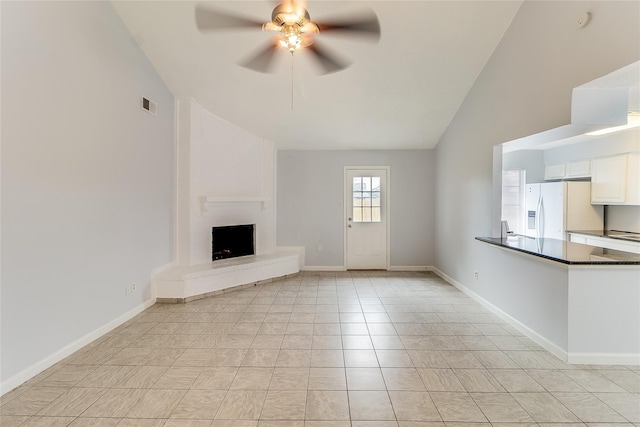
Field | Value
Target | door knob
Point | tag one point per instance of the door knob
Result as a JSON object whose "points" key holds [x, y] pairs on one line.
{"points": [[349, 219], [349, 225]]}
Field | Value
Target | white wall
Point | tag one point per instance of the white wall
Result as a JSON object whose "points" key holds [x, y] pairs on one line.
{"points": [[529, 160], [542, 302], [602, 326], [525, 88], [86, 178], [310, 189], [625, 218], [235, 168]]}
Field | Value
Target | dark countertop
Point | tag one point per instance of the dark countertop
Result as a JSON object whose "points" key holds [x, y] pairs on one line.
{"points": [[612, 234], [564, 251]]}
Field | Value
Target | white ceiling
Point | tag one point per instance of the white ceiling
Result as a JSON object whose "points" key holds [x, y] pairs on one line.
{"points": [[400, 93]]}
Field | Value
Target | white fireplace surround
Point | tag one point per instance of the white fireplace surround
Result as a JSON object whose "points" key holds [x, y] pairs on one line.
{"points": [[181, 284], [224, 176]]}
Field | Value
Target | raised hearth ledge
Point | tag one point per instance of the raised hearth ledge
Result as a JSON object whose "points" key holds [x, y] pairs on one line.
{"points": [[186, 283]]}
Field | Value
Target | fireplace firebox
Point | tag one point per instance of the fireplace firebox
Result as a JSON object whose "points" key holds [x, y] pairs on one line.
{"points": [[233, 241]]}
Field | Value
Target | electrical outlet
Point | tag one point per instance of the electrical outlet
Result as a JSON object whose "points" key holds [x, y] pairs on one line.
{"points": [[129, 289], [475, 275]]}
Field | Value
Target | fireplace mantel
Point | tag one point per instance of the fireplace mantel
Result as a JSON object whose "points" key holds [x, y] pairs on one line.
{"points": [[207, 201]]}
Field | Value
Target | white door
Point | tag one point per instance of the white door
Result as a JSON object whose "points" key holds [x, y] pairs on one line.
{"points": [[366, 218]]}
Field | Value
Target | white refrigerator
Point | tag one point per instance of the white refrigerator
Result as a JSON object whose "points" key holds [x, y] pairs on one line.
{"points": [[553, 208]]}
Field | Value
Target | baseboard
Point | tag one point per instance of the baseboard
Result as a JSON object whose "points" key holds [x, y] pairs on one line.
{"points": [[323, 268], [534, 336], [411, 268], [604, 358], [59, 355], [343, 268]]}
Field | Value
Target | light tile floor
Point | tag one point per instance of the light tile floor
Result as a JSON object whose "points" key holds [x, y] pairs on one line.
{"points": [[353, 349]]}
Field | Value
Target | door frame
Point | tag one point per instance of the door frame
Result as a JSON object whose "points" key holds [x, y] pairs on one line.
{"points": [[387, 211]]}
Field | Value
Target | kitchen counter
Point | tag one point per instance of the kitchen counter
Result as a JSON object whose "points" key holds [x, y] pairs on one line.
{"points": [[624, 241], [580, 302], [611, 234], [564, 251]]}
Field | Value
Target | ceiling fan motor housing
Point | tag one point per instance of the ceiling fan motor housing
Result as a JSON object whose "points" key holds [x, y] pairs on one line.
{"points": [[290, 14]]}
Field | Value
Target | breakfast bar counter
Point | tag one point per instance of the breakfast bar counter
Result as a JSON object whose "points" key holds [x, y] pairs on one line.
{"points": [[580, 302], [564, 251]]}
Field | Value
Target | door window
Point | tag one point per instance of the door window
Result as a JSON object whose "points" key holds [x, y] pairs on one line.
{"points": [[366, 199]]}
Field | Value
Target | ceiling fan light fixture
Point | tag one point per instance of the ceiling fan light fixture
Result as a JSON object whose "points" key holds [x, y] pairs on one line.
{"points": [[291, 39], [294, 25], [295, 31]]}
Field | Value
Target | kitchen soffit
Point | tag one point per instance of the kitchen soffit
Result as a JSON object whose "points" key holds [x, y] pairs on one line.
{"points": [[618, 91]]}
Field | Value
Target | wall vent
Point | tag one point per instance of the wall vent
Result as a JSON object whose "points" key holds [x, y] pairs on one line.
{"points": [[149, 106]]}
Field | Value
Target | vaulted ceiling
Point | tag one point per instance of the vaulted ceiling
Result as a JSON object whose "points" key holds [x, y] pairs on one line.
{"points": [[399, 93]]}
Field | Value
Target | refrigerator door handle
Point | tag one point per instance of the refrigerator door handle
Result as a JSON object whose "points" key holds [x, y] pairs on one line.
{"points": [[541, 218], [538, 219]]}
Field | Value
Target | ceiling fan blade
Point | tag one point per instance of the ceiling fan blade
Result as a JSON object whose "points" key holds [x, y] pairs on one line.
{"points": [[363, 24], [329, 62], [262, 61], [208, 19]]}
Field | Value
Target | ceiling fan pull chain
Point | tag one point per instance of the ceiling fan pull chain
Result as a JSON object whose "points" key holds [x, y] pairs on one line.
{"points": [[291, 81]]}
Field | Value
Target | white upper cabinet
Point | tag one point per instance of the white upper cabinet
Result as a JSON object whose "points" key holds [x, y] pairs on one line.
{"points": [[573, 170], [614, 180], [554, 171], [578, 169], [609, 180]]}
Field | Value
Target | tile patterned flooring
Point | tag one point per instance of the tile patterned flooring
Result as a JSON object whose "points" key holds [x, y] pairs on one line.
{"points": [[351, 349]]}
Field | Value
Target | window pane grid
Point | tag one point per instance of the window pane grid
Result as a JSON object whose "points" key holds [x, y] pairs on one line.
{"points": [[367, 204], [513, 182]]}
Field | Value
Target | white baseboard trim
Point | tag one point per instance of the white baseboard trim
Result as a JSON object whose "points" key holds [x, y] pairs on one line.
{"points": [[343, 268], [56, 357], [323, 268], [534, 336], [604, 358], [411, 268]]}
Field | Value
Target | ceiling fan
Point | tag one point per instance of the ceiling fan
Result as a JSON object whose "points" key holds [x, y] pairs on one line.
{"points": [[295, 31]]}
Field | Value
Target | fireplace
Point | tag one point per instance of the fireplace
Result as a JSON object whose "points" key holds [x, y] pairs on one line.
{"points": [[233, 241]]}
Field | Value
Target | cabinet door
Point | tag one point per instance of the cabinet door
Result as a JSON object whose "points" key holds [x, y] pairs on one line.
{"points": [[579, 169], [609, 180], [554, 171]]}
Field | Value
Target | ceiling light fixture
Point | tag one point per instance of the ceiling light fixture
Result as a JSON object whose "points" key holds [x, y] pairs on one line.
{"points": [[294, 31], [293, 22]]}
